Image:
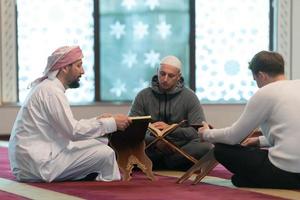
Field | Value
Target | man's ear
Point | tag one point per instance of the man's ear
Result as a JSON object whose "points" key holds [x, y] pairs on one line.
{"points": [[261, 75], [179, 76], [65, 69], [264, 75]]}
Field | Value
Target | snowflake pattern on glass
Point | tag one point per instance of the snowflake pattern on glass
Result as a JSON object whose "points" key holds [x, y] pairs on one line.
{"points": [[134, 36], [227, 38], [46, 25]]}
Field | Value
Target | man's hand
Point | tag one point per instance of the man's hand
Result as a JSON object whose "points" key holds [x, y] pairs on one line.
{"points": [[252, 141], [160, 125], [104, 115], [122, 121], [202, 129]]}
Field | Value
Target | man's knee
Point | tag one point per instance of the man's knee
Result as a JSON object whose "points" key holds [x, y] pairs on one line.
{"points": [[218, 148], [199, 150], [225, 152], [104, 152], [219, 151]]}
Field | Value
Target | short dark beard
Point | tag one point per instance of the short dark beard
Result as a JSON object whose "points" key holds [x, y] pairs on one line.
{"points": [[74, 84]]}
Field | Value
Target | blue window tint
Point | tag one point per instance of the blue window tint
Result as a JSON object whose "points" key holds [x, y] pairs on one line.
{"points": [[134, 36]]}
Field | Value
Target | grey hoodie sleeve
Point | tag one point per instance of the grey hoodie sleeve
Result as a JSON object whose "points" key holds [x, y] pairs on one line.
{"points": [[137, 107]]}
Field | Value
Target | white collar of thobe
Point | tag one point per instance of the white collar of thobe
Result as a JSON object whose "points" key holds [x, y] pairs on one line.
{"points": [[59, 84]]}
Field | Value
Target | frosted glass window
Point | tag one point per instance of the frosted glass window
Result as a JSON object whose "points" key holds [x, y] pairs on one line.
{"points": [[45, 25], [228, 34], [134, 36]]}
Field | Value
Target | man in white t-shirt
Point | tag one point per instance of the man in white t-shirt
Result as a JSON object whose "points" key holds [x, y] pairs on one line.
{"points": [[275, 109], [47, 143]]}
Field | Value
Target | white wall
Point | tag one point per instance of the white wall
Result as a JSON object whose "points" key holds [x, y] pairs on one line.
{"points": [[217, 115]]}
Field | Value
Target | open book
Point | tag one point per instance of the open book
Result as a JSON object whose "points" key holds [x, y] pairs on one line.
{"points": [[160, 133], [133, 134]]}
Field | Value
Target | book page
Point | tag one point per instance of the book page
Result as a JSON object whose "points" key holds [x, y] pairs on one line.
{"points": [[169, 129], [164, 131], [154, 130]]}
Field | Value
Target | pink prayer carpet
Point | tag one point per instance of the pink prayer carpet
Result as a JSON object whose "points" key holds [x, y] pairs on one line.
{"points": [[138, 188]]}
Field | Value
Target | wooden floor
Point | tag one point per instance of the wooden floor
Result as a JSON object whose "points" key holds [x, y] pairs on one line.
{"points": [[32, 192]]}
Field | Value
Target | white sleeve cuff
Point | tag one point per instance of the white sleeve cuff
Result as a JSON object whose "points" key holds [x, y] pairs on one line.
{"points": [[109, 124], [263, 142]]}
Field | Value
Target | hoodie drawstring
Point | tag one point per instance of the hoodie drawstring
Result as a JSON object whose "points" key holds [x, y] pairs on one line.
{"points": [[159, 115], [165, 108]]}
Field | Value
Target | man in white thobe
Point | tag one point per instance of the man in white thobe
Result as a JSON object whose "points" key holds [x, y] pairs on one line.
{"points": [[47, 143]]}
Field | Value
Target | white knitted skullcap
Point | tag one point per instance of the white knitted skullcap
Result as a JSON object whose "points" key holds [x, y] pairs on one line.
{"points": [[171, 60]]}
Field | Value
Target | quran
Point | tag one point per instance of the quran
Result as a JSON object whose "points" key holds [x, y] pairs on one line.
{"points": [[164, 132]]}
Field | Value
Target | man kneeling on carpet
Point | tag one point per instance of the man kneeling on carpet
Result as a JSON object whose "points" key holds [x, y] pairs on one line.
{"points": [[275, 108], [47, 143]]}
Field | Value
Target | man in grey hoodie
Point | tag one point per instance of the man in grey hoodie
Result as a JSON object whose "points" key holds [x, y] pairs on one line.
{"points": [[168, 101]]}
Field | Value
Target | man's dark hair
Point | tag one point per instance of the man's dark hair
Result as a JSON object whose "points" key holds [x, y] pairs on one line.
{"points": [[269, 62]]}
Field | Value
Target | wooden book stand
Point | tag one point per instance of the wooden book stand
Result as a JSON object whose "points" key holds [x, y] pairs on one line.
{"points": [[161, 134], [129, 146], [206, 164]]}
